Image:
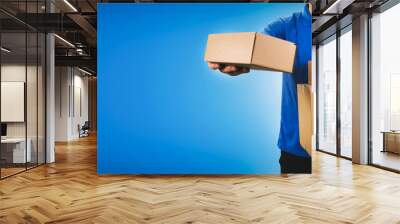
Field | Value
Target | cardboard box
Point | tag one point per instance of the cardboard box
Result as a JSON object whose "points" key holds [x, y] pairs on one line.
{"points": [[310, 73], [305, 108], [251, 49]]}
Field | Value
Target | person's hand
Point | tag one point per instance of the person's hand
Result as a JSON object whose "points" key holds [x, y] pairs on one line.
{"points": [[228, 69]]}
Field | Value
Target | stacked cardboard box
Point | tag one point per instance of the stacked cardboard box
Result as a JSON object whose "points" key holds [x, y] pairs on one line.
{"points": [[305, 107], [305, 101], [252, 50], [310, 81]]}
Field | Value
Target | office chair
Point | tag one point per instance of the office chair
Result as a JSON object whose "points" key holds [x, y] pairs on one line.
{"points": [[84, 130]]}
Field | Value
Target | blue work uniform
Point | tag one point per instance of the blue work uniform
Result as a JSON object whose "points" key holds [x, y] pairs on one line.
{"points": [[296, 29]]}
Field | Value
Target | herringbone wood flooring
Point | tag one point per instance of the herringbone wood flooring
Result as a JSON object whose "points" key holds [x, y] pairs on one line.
{"points": [[70, 191]]}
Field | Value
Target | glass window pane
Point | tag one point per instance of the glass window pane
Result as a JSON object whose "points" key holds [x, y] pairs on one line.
{"points": [[385, 114], [346, 94], [327, 96], [41, 98], [14, 153], [32, 95], [22, 90]]}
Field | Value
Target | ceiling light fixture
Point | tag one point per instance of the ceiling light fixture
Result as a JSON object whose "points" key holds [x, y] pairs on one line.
{"points": [[70, 5], [5, 50], [79, 51], [65, 41], [84, 71], [337, 7]]}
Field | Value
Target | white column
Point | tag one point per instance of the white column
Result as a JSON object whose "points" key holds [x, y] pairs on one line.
{"points": [[50, 99], [63, 99], [50, 92]]}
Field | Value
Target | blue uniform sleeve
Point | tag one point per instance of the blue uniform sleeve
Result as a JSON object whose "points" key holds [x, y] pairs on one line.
{"points": [[276, 29]]}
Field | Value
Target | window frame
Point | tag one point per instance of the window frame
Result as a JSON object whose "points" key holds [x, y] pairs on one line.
{"points": [[334, 37]]}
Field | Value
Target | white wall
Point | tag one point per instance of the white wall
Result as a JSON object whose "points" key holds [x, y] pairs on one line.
{"points": [[17, 73], [9, 73], [62, 82], [33, 127], [80, 112], [71, 87]]}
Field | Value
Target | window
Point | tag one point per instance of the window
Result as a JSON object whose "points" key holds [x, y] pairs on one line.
{"points": [[327, 96], [394, 102], [334, 106], [385, 89], [22, 88], [346, 92]]}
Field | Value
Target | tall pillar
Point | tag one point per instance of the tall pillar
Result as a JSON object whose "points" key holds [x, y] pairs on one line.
{"points": [[50, 92], [360, 90]]}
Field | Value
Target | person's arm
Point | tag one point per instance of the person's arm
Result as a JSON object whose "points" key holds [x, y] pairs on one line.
{"points": [[276, 29]]}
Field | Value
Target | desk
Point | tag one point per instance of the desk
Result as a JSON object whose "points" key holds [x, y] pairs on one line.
{"points": [[13, 150], [391, 141]]}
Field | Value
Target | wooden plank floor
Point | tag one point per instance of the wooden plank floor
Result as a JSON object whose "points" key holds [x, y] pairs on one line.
{"points": [[70, 191]]}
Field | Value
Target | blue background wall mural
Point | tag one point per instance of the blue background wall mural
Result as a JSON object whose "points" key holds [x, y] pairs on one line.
{"points": [[161, 110]]}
